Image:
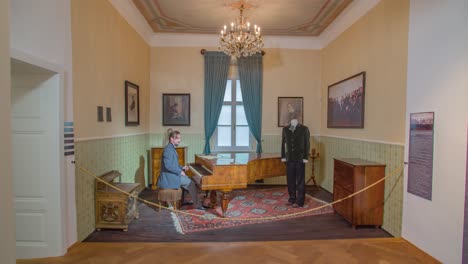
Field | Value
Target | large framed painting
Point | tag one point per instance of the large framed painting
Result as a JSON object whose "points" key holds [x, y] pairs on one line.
{"points": [[290, 108], [132, 104], [346, 102], [176, 110]]}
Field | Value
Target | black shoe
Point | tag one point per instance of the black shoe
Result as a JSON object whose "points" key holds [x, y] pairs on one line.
{"points": [[187, 203], [203, 208]]}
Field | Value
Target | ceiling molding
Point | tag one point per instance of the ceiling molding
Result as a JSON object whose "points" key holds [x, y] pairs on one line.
{"points": [[349, 16], [130, 13], [212, 40]]}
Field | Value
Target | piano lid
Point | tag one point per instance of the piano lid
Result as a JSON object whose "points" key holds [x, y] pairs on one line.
{"points": [[236, 158]]}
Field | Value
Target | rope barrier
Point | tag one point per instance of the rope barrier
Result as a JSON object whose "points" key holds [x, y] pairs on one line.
{"points": [[399, 170]]}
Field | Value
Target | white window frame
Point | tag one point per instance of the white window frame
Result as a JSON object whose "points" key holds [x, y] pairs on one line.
{"points": [[233, 103]]}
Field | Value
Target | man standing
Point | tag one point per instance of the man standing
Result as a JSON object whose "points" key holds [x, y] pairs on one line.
{"points": [[295, 152], [172, 174]]}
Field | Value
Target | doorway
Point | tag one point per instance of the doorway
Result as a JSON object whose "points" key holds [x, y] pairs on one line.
{"points": [[36, 160]]}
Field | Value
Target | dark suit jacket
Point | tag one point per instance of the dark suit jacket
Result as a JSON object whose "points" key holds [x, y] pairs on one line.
{"points": [[295, 144], [170, 169]]}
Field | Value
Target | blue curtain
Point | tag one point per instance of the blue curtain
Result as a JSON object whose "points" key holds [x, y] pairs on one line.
{"points": [[251, 79], [216, 74]]}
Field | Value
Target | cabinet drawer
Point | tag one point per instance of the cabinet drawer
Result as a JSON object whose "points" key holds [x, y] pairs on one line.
{"points": [[345, 207], [343, 174]]}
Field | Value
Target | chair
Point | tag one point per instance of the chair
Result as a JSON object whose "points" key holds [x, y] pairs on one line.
{"points": [[170, 196]]}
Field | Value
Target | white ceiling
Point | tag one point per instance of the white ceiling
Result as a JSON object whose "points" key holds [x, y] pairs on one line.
{"points": [[192, 20]]}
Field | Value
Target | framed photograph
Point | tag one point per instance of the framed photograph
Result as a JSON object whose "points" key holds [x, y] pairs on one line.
{"points": [[132, 104], [290, 108], [176, 109], [346, 102], [108, 114], [100, 116]]}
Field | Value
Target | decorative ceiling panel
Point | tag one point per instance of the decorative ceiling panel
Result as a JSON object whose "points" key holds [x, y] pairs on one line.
{"points": [[275, 17]]}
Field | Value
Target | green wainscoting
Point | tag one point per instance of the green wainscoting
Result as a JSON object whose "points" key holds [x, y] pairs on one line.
{"points": [[195, 143], [99, 156], [123, 154], [389, 154]]}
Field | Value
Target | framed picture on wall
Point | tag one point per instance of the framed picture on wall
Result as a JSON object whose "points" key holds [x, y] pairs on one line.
{"points": [[290, 108], [176, 110], [132, 104], [346, 102], [100, 117]]}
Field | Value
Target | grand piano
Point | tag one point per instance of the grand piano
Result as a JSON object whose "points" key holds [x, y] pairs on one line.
{"points": [[225, 172]]}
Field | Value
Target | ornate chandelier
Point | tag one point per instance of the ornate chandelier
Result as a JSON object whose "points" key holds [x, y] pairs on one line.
{"points": [[241, 39]]}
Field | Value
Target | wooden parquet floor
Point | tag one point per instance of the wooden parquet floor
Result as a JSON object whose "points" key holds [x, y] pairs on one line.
{"points": [[349, 251], [317, 239]]}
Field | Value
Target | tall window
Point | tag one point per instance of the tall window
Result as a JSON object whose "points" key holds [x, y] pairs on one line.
{"points": [[233, 132]]}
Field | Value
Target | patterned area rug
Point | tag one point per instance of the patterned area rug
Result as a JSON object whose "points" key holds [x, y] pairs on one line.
{"points": [[247, 204]]}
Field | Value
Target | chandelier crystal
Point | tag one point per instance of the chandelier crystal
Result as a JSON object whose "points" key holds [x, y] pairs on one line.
{"points": [[241, 40]]}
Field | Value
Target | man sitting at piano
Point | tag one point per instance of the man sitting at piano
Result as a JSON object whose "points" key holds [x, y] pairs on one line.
{"points": [[172, 174]]}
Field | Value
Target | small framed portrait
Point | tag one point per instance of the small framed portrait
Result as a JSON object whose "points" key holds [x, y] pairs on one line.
{"points": [[100, 116], [132, 104], [346, 102], [108, 114], [176, 110], [290, 108]]}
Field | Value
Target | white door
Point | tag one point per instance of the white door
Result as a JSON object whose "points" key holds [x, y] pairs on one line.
{"points": [[36, 160]]}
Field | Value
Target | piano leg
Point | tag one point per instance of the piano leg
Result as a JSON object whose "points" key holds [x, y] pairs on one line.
{"points": [[213, 199], [225, 201]]}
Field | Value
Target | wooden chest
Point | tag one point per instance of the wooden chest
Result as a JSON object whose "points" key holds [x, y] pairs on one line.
{"points": [[352, 175], [114, 209]]}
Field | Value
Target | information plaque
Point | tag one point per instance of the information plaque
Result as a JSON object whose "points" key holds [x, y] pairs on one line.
{"points": [[421, 145]]}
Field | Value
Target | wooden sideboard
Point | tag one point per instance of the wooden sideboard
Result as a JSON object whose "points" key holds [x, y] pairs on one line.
{"points": [[352, 175], [156, 156]]}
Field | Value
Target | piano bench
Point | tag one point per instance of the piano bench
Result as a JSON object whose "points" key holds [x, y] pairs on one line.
{"points": [[170, 196]]}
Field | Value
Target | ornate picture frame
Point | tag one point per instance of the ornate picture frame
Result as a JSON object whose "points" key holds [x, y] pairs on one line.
{"points": [[290, 108], [132, 104], [176, 109], [345, 107]]}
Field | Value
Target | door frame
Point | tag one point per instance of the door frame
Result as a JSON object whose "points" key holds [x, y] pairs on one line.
{"points": [[64, 199]]}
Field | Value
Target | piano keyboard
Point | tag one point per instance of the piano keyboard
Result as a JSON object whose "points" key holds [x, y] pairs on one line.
{"points": [[199, 171]]}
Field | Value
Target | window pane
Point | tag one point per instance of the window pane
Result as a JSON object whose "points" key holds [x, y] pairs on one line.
{"points": [[242, 136], [224, 136], [225, 116], [223, 156], [240, 115], [228, 93], [242, 158], [238, 91]]}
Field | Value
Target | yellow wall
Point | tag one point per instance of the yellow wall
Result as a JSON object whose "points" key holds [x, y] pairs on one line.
{"points": [[287, 72], [377, 44], [291, 73], [106, 52], [177, 70]]}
